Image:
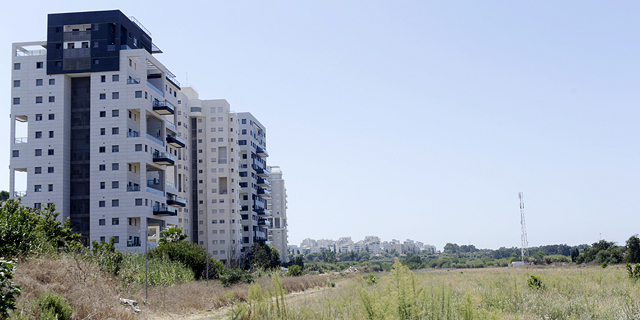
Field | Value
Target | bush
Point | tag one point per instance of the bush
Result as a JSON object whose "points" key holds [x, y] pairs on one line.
{"points": [[160, 272], [634, 273], [106, 256], [53, 307], [295, 271], [233, 276], [191, 255], [535, 283], [8, 291]]}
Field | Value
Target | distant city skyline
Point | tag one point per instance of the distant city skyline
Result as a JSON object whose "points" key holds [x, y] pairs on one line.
{"points": [[419, 120]]}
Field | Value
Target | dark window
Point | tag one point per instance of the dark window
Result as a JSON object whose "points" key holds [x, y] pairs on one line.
{"points": [[50, 134], [138, 202], [102, 167], [103, 78], [38, 99], [102, 185], [50, 152], [52, 82], [115, 113], [16, 83], [50, 187], [49, 169], [101, 204], [58, 63], [37, 188], [101, 222], [39, 117], [102, 131], [115, 166], [115, 184], [138, 147], [138, 94], [38, 82], [115, 130], [103, 149], [16, 66], [38, 170], [52, 116], [39, 65], [103, 96], [96, 61], [103, 114], [52, 99], [38, 152], [115, 203], [115, 78], [116, 239], [115, 95], [38, 134], [16, 153], [102, 239], [16, 100], [115, 148]]}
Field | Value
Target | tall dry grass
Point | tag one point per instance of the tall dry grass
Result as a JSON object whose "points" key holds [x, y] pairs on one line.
{"points": [[95, 295]]}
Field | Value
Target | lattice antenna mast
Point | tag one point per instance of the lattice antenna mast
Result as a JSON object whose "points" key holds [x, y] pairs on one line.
{"points": [[525, 243]]}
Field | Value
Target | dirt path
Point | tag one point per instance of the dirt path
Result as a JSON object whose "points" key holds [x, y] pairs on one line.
{"points": [[221, 313]]}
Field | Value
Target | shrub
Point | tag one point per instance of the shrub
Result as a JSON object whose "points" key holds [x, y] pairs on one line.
{"points": [[8, 291], [235, 275], [53, 307], [535, 283], [160, 272], [191, 255], [295, 271], [370, 279], [634, 273], [106, 256]]}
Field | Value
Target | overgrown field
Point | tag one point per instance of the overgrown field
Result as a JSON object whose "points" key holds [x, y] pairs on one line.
{"points": [[495, 293]]}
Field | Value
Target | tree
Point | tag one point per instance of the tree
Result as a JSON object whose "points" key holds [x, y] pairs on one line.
{"points": [[633, 249], [4, 195], [451, 248], [329, 256], [58, 234], [574, 254], [298, 260], [191, 255], [172, 234], [262, 256]]}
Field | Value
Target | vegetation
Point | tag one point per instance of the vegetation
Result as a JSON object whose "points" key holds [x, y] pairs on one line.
{"points": [[192, 255], [52, 306], [9, 292], [262, 256]]}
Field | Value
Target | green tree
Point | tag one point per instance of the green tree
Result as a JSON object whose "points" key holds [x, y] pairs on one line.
{"points": [[4, 195], [633, 250], [451, 248], [412, 261], [192, 255], [329, 256], [298, 260], [172, 234], [57, 233], [262, 256], [574, 254], [9, 292]]}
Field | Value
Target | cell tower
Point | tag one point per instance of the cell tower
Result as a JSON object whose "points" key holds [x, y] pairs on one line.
{"points": [[525, 243]]}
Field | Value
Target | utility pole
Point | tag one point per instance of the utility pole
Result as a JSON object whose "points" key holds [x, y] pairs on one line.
{"points": [[524, 242]]}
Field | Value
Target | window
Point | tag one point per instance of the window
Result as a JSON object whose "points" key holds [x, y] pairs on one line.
{"points": [[38, 152], [102, 185], [116, 239], [244, 121], [115, 203], [58, 63], [242, 142], [115, 184], [52, 116], [102, 131], [102, 149], [101, 222], [38, 134], [115, 130], [50, 134], [115, 166], [38, 117], [38, 82], [115, 78], [138, 94], [50, 152], [38, 99], [16, 100], [37, 205], [37, 188], [16, 83], [16, 66], [50, 187], [39, 65], [103, 78], [115, 113], [16, 153], [102, 167], [115, 148], [52, 82], [102, 239], [115, 221], [103, 96], [96, 61], [103, 114], [244, 131], [49, 169], [115, 95], [138, 147], [38, 170], [214, 221], [138, 202]]}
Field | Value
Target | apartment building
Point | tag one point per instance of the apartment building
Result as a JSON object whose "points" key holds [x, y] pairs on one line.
{"points": [[216, 184], [103, 130], [252, 142], [277, 205]]}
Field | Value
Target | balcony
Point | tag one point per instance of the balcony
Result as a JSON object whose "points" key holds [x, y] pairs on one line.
{"points": [[154, 139], [176, 141], [262, 212], [163, 158], [133, 188], [261, 172], [164, 210], [73, 36], [261, 152], [170, 185], [163, 107], [133, 134], [21, 140], [155, 191], [263, 192], [19, 194], [176, 201], [133, 81], [170, 125], [244, 208], [264, 223], [154, 88], [263, 182]]}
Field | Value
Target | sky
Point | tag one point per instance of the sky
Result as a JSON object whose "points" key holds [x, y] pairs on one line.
{"points": [[414, 120]]}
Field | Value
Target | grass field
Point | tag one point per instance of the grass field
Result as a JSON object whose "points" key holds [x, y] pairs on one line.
{"points": [[565, 292]]}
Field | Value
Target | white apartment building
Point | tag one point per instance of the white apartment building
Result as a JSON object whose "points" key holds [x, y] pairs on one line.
{"points": [[93, 129], [252, 142], [277, 205], [216, 183]]}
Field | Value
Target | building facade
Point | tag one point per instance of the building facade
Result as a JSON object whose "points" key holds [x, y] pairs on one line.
{"points": [[102, 129], [277, 205]]}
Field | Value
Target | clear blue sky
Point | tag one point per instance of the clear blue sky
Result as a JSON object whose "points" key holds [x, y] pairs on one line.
{"points": [[415, 119]]}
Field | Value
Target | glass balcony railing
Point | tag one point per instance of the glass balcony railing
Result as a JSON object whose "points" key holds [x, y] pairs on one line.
{"points": [[21, 140], [133, 134], [158, 141], [170, 125], [133, 81], [154, 88], [133, 188], [163, 107]]}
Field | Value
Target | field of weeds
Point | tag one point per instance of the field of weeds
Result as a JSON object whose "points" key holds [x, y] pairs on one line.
{"points": [[94, 294], [495, 293]]}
